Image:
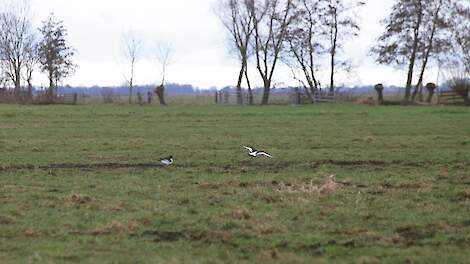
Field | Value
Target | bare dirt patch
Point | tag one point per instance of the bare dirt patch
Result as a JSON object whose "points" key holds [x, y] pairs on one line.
{"points": [[411, 234]]}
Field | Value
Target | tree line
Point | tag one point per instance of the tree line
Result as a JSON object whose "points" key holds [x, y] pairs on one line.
{"points": [[306, 35], [25, 49], [303, 34]]}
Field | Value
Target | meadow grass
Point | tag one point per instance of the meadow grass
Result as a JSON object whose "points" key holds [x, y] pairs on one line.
{"points": [[347, 184]]}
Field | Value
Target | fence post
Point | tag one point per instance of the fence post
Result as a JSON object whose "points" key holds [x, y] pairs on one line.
{"points": [[216, 97], [75, 98], [226, 97]]}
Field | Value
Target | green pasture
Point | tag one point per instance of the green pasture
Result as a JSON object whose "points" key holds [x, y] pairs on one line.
{"points": [[347, 184]]}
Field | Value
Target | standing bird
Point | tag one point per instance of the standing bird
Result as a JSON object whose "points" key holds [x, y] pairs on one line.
{"points": [[167, 161], [255, 153]]}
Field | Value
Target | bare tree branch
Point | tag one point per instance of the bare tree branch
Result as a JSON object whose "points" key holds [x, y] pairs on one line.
{"points": [[132, 48]]}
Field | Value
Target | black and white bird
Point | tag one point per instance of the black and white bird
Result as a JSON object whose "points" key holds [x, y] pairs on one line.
{"points": [[167, 161], [255, 153]]}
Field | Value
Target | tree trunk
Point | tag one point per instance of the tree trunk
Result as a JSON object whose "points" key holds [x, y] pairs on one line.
{"points": [[413, 59], [311, 83], [30, 91], [419, 86], [314, 88], [131, 82], [248, 83], [50, 95], [380, 88], [309, 95], [332, 77], [333, 51], [239, 85], [160, 91], [17, 86], [130, 91], [267, 87]]}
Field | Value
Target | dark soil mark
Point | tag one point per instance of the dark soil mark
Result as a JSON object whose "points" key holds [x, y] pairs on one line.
{"points": [[81, 166], [319, 249], [165, 236], [275, 167], [411, 234], [381, 163], [6, 220], [189, 235], [237, 184]]}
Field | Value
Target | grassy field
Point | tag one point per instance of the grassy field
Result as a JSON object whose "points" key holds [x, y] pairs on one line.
{"points": [[347, 184]]}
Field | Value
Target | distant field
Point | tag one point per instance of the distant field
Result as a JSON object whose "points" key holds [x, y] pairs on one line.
{"points": [[83, 184]]}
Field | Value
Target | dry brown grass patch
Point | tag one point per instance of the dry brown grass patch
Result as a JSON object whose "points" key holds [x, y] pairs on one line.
{"points": [[30, 232], [268, 255], [113, 227], [329, 186], [465, 195], [367, 260], [264, 229], [115, 207], [8, 126], [77, 199], [241, 213]]}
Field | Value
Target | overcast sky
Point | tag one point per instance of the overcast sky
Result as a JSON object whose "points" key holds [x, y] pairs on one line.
{"points": [[200, 54]]}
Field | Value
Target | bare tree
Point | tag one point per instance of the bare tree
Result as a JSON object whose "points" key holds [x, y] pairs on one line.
{"points": [[460, 34], [164, 59], [341, 23], [55, 54], [458, 62], [16, 39], [441, 18], [399, 43], [271, 19], [431, 23], [31, 62], [304, 43], [237, 19], [416, 32], [132, 50]]}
